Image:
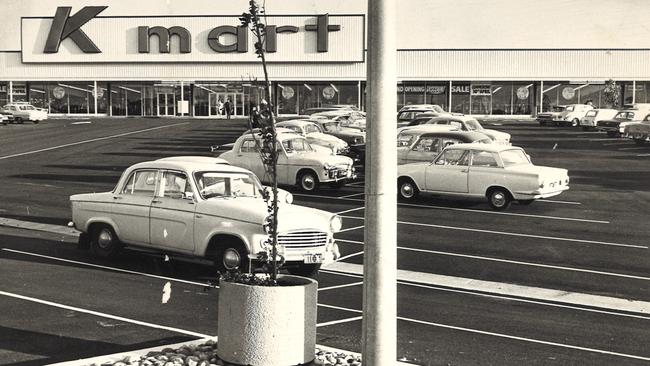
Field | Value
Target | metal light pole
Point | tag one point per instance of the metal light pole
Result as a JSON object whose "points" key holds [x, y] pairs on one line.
{"points": [[380, 233]]}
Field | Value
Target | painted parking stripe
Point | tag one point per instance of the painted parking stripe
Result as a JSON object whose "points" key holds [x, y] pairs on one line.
{"points": [[466, 210], [352, 195], [340, 286], [351, 210], [521, 293], [512, 234], [634, 148], [91, 140], [643, 154], [351, 228], [530, 340], [111, 268], [103, 315], [349, 256], [334, 322], [565, 202], [618, 143]]}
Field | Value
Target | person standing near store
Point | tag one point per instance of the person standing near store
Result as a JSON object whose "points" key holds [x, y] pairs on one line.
{"points": [[219, 107], [227, 106]]}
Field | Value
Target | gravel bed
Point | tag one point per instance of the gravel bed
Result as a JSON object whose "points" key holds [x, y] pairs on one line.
{"points": [[205, 354]]}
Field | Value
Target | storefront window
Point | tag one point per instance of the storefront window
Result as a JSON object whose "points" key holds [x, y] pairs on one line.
{"points": [[4, 93], [502, 97], [436, 93], [126, 98], [481, 98], [523, 98], [413, 92], [19, 91], [288, 98], [460, 98], [38, 95]]}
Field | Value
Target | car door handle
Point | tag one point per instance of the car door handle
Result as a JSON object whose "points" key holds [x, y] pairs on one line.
{"points": [[117, 197], [155, 201]]}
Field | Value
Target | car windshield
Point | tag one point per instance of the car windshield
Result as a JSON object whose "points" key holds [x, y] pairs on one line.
{"points": [[514, 157], [296, 145], [558, 108], [625, 115], [408, 115], [591, 113], [570, 108], [293, 128], [26, 107], [332, 126], [311, 128], [227, 184], [473, 125], [405, 139]]}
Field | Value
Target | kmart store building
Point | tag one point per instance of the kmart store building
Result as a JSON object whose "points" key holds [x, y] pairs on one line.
{"points": [[172, 58]]}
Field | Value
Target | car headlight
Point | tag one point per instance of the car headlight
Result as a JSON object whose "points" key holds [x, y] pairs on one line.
{"points": [[288, 198], [327, 166], [336, 223]]}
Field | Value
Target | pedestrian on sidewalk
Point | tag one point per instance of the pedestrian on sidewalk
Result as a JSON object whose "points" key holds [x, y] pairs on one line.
{"points": [[227, 106]]}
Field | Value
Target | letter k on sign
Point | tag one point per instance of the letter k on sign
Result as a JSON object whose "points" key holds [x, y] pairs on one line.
{"points": [[66, 26]]}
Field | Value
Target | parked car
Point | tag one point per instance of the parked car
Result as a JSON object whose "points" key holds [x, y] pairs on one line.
{"points": [[496, 172], [313, 132], [468, 123], [591, 119], [348, 118], [422, 118], [298, 163], [4, 118], [20, 112], [310, 111], [630, 114], [568, 115], [406, 115], [428, 107], [639, 132], [201, 209], [417, 145], [355, 138]]}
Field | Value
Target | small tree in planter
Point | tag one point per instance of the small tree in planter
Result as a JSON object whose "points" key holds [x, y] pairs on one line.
{"points": [[262, 320], [611, 93]]}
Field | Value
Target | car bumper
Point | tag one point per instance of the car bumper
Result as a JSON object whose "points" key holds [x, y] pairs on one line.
{"points": [[539, 194]]}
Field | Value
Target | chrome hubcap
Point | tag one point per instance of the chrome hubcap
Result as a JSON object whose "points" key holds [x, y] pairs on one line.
{"points": [[308, 182], [498, 199], [104, 239], [407, 190], [231, 259]]}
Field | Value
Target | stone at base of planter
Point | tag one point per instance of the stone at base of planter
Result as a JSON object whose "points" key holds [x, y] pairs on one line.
{"points": [[268, 326]]}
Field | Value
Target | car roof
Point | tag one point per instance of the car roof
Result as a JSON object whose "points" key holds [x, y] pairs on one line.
{"points": [[196, 159], [189, 166], [468, 136], [295, 122], [453, 118], [485, 147]]}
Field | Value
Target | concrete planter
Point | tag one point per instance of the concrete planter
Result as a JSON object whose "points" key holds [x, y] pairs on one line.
{"points": [[266, 326]]}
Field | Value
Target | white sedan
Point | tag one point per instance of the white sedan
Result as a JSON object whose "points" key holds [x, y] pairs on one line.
{"points": [[204, 209], [497, 172], [468, 123]]}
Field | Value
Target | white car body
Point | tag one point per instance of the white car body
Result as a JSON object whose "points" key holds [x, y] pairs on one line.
{"points": [[315, 135], [639, 132], [468, 123], [24, 112], [478, 170], [146, 210], [590, 120], [568, 115], [418, 145], [297, 161], [631, 114]]}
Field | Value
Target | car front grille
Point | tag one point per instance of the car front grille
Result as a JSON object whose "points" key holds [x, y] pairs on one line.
{"points": [[302, 239]]}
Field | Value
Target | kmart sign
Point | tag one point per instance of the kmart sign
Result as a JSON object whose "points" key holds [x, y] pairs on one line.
{"points": [[86, 36]]}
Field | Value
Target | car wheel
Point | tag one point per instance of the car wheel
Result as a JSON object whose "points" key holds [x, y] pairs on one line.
{"points": [[18, 120], [407, 189], [103, 242], [499, 198], [305, 270], [525, 202], [308, 181], [232, 257], [612, 134], [575, 122]]}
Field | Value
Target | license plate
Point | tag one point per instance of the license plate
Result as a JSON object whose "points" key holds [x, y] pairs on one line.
{"points": [[313, 258]]}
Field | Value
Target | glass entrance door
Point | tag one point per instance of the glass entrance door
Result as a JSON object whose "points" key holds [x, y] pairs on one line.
{"points": [[218, 101], [166, 104]]}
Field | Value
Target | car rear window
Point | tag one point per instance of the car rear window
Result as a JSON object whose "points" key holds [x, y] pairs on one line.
{"points": [[514, 157], [591, 113]]}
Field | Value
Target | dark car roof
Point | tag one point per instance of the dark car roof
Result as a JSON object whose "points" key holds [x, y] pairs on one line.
{"points": [[465, 136]]}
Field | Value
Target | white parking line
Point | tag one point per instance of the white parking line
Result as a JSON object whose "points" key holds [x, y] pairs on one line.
{"points": [[606, 139], [349, 256], [643, 154], [351, 228], [634, 148], [334, 322], [468, 210], [91, 140], [618, 143], [530, 340], [111, 268], [104, 315], [512, 234], [340, 286], [565, 202], [356, 183], [350, 210], [352, 195]]}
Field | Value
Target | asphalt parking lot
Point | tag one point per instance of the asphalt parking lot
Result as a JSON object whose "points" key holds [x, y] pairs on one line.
{"points": [[563, 281]]}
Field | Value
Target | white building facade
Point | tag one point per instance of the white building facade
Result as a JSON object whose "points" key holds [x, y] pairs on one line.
{"points": [[171, 58]]}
